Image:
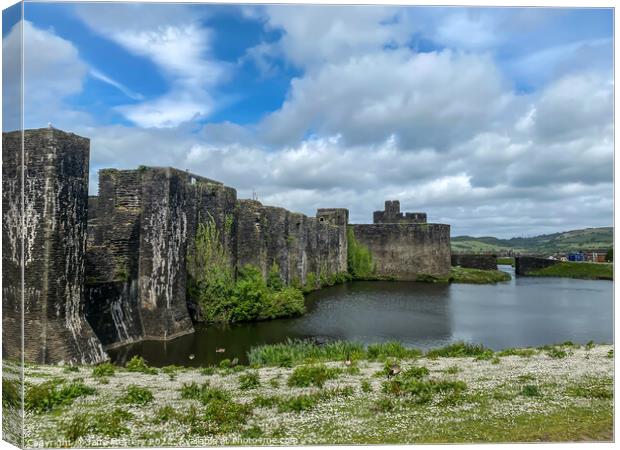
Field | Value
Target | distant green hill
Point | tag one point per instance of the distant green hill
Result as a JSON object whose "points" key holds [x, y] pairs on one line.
{"points": [[586, 239]]}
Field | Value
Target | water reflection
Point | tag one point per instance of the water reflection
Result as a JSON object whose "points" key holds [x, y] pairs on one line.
{"points": [[522, 312]]}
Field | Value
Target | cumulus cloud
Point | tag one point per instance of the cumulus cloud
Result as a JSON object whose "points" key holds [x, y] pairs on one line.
{"points": [[369, 118], [313, 36], [424, 99], [53, 71], [176, 42]]}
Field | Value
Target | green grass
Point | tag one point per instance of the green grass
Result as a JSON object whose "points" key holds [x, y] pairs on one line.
{"points": [[136, 395], [204, 393], [582, 270], [508, 261], [294, 352], [249, 380], [584, 239], [103, 370], [460, 350], [53, 394], [138, 364], [110, 424], [477, 276], [317, 375]]}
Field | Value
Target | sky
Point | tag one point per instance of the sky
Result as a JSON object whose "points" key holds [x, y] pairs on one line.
{"points": [[498, 121]]}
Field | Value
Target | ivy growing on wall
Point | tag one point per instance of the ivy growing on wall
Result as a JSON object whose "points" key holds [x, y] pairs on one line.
{"points": [[359, 258], [222, 298]]}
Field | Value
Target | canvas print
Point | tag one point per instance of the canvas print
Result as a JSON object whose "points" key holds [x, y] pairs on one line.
{"points": [[287, 224]]}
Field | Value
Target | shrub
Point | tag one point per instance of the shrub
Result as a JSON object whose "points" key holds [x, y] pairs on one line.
{"points": [[459, 350], [219, 416], [165, 414], [109, 424], [298, 403], [390, 349], [265, 402], [49, 395], [249, 380], [254, 432], [171, 371], [522, 352], [210, 276], [530, 390], [103, 370], [136, 395], [557, 353], [274, 281], [592, 388], [384, 404], [359, 258], [138, 364], [11, 393], [305, 376], [366, 386], [203, 393], [294, 352]]}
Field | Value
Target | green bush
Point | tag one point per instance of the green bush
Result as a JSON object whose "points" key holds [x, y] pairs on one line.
{"points": [[136, 395], [305, 376], [171, 371], [109, 424], [460, 350], [203, 393], [530, 390], [293, 352], [359, 258], [51, 394], [212, 284], [366, 386], [218, 417], [103, 370], [592, 388], [249, 380], [11, 393], [391, 349], [138, 364]]}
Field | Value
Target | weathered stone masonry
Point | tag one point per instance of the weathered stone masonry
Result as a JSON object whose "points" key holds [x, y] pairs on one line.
{"points": [[54, 242], [108, 270], [407, 249]]}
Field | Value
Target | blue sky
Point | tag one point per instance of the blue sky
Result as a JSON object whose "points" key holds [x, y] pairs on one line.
{"points": [[496, 120]]}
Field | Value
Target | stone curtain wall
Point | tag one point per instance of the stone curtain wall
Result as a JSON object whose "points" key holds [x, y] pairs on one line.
{"points": [[526, 264], [298, 244], [141, 227], [54, 234], [473, 261], [407, 251], [118, 262]]}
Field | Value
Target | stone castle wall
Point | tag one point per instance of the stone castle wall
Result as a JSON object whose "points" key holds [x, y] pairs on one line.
{"points": [[108, 270], [392, 214], [407, 251], [54, 216], [526, 264], [473, 261]]}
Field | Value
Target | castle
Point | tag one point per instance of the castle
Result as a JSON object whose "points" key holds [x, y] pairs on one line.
{"points": [[104, 271]]}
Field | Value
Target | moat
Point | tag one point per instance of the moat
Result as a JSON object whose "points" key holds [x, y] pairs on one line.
{"points": [[526, 311]]}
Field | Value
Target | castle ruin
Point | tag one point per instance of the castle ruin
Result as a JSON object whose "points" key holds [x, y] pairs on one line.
{"points": [[107, 270]]}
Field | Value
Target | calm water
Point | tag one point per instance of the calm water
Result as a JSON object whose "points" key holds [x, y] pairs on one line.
{"points": [[519, 313]]}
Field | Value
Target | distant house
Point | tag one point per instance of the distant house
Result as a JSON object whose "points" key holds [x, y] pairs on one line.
{"points": [[577, 257]]}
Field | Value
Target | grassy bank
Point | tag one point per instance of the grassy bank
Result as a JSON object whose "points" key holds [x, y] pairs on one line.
{"points": [[386, 394], [583, 270], [476, 276], [508, 261]]}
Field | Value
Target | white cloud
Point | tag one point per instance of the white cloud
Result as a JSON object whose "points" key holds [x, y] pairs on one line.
{"points": [[121, 87], [425, 99], [52, 71], [313, 36], [173, 39]]}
